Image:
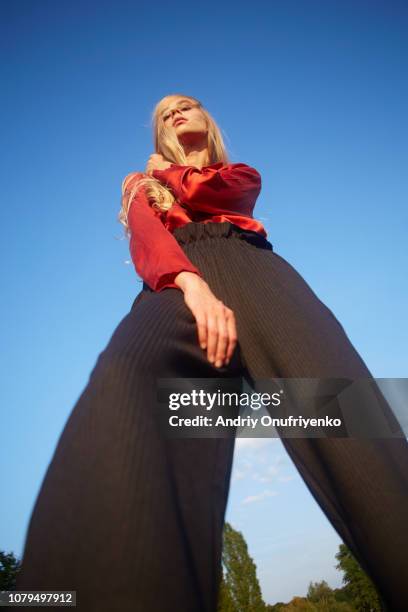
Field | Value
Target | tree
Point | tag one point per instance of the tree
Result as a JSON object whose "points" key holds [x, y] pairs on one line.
{"points": [[9, 568], [225, 601], [325, 599], [321, 593], [300, 604], [362, 590], [240, 589]]}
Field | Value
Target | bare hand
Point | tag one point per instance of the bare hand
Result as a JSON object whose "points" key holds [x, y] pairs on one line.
{"points": [[156, 162], [216, 324]]}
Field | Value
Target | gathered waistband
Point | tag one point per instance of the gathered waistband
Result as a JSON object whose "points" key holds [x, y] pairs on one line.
{"points": [[194, 235], [191, 232]]}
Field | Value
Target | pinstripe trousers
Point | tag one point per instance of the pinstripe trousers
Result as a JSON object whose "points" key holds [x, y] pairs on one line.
{"points": [[132, 520]]}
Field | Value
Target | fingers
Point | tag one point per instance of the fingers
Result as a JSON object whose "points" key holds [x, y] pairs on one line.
{"points": [[216, 327], [202, 330], [221, 335], [150, 166], [222, 340], [154, 162], [212, 336], [232, 334]]}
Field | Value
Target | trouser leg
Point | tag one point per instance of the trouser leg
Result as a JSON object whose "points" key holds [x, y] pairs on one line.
{"points": [[360, 484], [285, 331], [129, 519]]}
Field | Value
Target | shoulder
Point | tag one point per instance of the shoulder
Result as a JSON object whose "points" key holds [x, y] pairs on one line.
{"points": [[243, 171]]}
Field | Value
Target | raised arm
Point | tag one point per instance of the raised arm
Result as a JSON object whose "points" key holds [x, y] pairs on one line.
{"points": [[226, 187], [157, 256]]}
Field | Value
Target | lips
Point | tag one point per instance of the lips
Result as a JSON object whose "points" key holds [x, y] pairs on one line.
{"points": [[179, 121]]}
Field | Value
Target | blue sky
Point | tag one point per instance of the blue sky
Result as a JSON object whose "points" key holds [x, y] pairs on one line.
{"points": [[311, 93]]}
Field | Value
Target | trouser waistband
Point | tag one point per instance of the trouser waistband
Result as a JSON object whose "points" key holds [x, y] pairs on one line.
{"points": [[191, 232]]}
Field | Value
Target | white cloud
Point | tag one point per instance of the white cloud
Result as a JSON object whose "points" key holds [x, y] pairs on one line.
{"points": [[258, 498], [269, 474], [241, 469], [254, 460], [286, 478]]}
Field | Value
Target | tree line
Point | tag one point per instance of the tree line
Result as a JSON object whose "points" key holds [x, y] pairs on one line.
{"points": [[240, 591]]}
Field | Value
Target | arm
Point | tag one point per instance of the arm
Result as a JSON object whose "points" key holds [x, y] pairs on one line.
{"points": [[228, 188], [157, 256], [160, 261]]}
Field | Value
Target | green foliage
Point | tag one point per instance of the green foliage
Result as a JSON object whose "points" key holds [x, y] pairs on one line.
{"points": [[240, 590], [300, 604], [9, 568], [320, 592], [225, 601], [325, 599], [358, 585]]}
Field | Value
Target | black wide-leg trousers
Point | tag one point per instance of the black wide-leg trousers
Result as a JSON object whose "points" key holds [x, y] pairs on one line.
{"points": [[132, 520]]}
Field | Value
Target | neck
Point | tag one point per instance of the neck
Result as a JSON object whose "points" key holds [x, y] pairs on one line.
{"points": [[197, 156]]}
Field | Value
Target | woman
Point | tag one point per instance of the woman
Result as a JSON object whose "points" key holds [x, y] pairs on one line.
{"points": [[132, 519]]}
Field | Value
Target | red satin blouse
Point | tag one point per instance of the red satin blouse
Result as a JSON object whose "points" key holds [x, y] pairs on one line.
{"points": [[213, 194]]}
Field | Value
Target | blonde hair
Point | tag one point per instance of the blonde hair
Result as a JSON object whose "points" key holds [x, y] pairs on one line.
{"points": [[166, 143]]}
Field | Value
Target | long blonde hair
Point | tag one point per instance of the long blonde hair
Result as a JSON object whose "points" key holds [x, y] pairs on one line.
{"points": [[166, 143]]}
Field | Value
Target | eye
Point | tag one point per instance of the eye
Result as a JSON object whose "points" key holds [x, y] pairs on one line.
{"points": [[184, 107]]}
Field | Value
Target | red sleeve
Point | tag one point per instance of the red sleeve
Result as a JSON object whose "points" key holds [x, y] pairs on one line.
{"points": [[156, 254], [228, 188]]}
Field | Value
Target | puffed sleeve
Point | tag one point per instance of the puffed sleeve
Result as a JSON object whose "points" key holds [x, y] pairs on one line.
{"points": [[220, 187], [156, 254]]}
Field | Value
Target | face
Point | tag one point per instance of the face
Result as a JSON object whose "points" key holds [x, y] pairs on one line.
{"points": [[186, 119]]}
